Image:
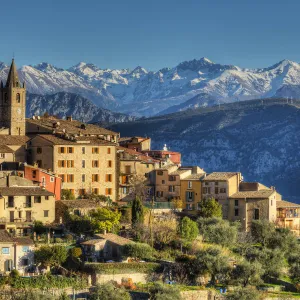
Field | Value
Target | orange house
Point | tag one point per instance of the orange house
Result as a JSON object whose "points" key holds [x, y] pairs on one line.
{"points": [[48, 180]]}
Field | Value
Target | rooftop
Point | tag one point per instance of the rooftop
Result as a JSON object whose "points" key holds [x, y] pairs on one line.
{"points": [[79, 203], [5, 237], [94, 242], [261, 194], [5, 149], [194, 176], [138, 155], [286, 204], [24, 191], [13, 140], [220, 176], [73, 126], [23, 241], [114, 238]]}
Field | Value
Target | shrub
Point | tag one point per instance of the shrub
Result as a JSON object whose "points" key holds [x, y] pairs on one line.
{"points": [[59, 240], [14, 274], [76, 252], [245, 294], [109, 292], [121, 268], [138, 250], [188, 229], [69, 238]]}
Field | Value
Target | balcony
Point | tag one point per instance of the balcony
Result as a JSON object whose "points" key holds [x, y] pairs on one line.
{"points": [[15, 220]]}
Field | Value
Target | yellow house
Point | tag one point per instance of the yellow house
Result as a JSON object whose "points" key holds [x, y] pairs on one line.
{"points": [[191, 192], [22, 202]]}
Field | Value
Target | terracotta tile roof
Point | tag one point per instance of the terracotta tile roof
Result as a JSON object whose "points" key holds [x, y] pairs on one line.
{"points": [[179, 172], [139, 155], [5, 237], [73, 126], [94, 242], [83, 140], [23, 241], [220, 175], [261, 194], [24, 191], [13, 140], [5, 149], [114, 238], [286, 204], [79, 203]]}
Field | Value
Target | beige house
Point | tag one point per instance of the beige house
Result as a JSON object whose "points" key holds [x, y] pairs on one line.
{"points": [[16, 253], [133, 166], [104, 247], [136, 143], [86, 164], [246, 206], [288, 216], [220, 186], [22, 202]]}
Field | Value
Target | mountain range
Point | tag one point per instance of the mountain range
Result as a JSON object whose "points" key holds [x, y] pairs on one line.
{"points": [[260, 138], [145, 93]]}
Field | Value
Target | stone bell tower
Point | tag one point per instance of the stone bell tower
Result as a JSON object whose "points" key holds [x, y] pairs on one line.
{"points": [[13, 103]]}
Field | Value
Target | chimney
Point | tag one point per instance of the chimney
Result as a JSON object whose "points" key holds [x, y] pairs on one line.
{"points": [[69, 118]]}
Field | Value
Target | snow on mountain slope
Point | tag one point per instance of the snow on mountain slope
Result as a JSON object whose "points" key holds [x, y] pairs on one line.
{"points": [[143, 92]]}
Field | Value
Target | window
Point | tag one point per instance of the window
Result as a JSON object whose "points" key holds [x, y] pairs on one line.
{"points": [[25, 262], [70, 178], [216, 190], [108, 151], [236, 202], [95, 163], [190, 184], [206, 190], [61, 163], [83, 164], [70, 163], [109, 164], [34, 174], [216, 183], [61, 150], [236, 212], [39, 163], [189, 206], [83, 177], [43, 181], [2, 155], [163, 182], [95, 150], [39, 150], [223, 190], [18, 98], [127, 169], [46, 213], [70, 149], [37, 199], [189, 196], [125, 179], [159, 194], [19, 214], [83, 150], [95, 191], [28, 201], [11, 202], [271, 202], [256, 214], [171, 188], [25, 249], [206, 183], [46, 197], [77, 212], [108, 191], [5, 250], [95, 178], [108, 178], [172, 178], [52, 179]]}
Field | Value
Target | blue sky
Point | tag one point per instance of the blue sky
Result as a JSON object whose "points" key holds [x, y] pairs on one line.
{"points": [[150, 33]]}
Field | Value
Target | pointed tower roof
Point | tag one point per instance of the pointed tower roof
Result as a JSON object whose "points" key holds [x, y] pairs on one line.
{"points": [[12, 78]]}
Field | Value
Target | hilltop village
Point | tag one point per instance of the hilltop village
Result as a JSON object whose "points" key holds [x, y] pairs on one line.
{"points": [[65, 182]]}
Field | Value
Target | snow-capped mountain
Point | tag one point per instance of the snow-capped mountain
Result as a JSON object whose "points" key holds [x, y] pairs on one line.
{"points": [[143, 92], [260, 138], [67, 104]]}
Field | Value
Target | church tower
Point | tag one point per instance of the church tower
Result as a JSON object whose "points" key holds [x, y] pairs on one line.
{"points": [[13, 103]]}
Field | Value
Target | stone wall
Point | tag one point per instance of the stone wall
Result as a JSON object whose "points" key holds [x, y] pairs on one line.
{"points": [[136, 277]]}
